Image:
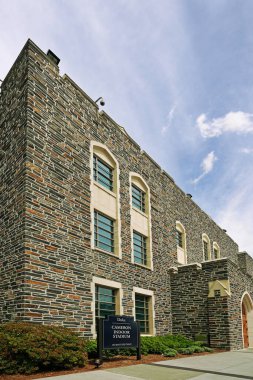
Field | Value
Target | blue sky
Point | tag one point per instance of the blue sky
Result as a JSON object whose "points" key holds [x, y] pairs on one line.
{"points": [[176, 74]]}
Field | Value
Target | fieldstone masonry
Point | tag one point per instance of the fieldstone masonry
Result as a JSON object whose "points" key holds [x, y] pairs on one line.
{"points": [[46, 261]]}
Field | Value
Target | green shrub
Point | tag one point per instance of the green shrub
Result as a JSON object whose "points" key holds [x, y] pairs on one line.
{"points": [[91, 348], [30, 347], [198, 343], [186, 350], [198, 349], [170, 352], [208, 349], [157, 344], [152, 345], [194, 349]]}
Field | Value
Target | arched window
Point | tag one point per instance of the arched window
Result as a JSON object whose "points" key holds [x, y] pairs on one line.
{"points": [[206, 247], [216, 251], [105, 206], [105, 168], [140, 221], [181, 243]]}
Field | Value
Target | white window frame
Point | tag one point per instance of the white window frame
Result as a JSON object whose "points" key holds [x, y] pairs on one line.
{"points": [[111, 208], [216, 246], [98, 281], [207, 240], [181, 250], [141, 221], [148, 293]]}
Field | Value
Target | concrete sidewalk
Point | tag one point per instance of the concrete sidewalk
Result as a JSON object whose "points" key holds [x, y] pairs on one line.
{"points": [[224, 366]]}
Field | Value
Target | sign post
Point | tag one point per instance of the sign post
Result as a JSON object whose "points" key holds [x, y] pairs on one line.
{"points": [[118, 331], [138, 353], [99, 339]]}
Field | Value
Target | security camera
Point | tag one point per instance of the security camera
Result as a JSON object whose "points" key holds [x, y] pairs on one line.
{"points": [[102, 102]]}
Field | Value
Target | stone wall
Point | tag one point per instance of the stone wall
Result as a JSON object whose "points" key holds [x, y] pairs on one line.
{"points": [[194, 313], [13, 122], [189, 293], [60, 122], [218, 322], [239, 283], [197, 311], [245, 262]]}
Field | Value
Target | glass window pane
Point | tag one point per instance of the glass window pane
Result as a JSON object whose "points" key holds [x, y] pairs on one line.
{"points": [[179, 238], [103, 232], [138, 198], [105, 301], [140, 251], [102, 173], [205, 244], [142, 312], [216, 253]]}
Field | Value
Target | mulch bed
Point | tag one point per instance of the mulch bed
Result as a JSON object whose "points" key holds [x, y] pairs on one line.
{"points": [[119, 361]]}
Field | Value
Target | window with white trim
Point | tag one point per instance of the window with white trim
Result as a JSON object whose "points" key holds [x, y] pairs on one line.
{"points": [[179, 238], [144, 310], [107, 299], [140, 248], [105, 303], [216, 251], [102, 173], [206, 247], [105, 204], [181, 243], [103, 232], [138, 198], [140, 221]]}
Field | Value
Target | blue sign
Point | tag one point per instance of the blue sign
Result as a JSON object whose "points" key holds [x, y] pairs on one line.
{"points": [[120, 332]]}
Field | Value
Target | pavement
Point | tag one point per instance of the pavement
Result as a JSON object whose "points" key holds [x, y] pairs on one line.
{"points": [[234, 365]]}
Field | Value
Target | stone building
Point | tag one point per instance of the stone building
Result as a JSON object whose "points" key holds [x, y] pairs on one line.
{"points": [[91, 225]]}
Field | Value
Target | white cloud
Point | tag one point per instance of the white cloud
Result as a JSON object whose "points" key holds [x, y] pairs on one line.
{"points": [[169, 119], [236, 216], [233, 122], [246, 150], [206, 166]]}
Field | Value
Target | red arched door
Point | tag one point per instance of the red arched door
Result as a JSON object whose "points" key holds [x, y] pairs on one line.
{"points": [[245, 326]]}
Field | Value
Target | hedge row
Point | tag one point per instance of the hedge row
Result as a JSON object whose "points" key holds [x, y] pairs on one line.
{"points": [[29, 347], [168, 345]]}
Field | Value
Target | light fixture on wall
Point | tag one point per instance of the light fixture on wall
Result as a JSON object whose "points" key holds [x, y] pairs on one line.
{"points": [[102, 102]]}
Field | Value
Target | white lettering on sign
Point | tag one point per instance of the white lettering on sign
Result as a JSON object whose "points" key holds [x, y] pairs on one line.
{"points": [[121, 336], [116, 327], [121, 320], [121, 331]]}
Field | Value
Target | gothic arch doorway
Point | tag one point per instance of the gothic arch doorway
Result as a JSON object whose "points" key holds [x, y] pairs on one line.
{"points": [[247, 320]]}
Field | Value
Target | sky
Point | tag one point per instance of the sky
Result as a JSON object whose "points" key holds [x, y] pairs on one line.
{"points": [[176, 74]]}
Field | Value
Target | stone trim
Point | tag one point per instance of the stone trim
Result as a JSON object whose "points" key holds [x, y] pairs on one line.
{"points": [[181, 251], [141, 221], [104, 200], [221, 286], [206, 239], [216, 246]]}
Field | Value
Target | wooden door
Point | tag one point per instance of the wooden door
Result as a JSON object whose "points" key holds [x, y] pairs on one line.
{"points": [[245, 327]]}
